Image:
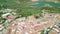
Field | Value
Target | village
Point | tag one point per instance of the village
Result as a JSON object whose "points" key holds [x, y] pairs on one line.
{"points": [[49, 23], [29, 16]]}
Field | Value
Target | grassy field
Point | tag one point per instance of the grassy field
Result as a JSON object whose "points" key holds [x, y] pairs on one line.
{"points": [[32, 11], [23, 10]]}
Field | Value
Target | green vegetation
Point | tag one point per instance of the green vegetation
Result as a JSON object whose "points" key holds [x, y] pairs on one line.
{"points": [[28, 12], [22, 5], [2, 20], [52, 9], [22, 8], [1, 13], [13, 4], [42, 31]]}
